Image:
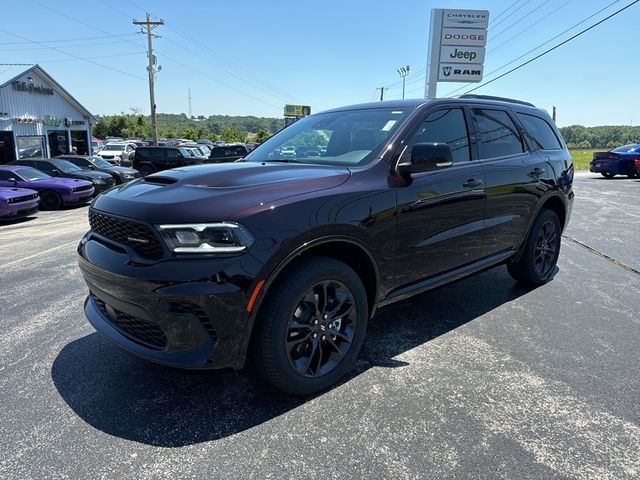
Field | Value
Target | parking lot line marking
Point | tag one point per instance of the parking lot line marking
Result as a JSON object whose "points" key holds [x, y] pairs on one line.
{"points": [[603, 255], [29, 257]]}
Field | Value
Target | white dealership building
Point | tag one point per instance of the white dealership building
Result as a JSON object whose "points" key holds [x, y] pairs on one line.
{"points": [[38, 117]]}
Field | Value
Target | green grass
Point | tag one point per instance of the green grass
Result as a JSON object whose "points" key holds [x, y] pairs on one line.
{"points": [[581, 158]]}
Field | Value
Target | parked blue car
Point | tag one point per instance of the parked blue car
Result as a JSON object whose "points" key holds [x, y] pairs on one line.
{"points": [[619, 161]]}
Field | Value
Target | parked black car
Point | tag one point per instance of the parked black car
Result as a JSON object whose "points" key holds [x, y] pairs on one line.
{"points": [[155, 159], [286, 259], [99, 164], [227, 153], [64, 169]]}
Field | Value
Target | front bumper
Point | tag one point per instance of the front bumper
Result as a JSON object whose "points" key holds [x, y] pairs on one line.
{"points": [[183, 313], [19, 210], [78, 197]]}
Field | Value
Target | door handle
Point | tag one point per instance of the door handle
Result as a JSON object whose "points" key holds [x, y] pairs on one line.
{"points": [[536, 172], [472, 183]]}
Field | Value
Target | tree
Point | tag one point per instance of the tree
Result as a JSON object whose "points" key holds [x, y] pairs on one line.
{"points": [[230, 135], [584, 145], [262, 136], [189, 133]]}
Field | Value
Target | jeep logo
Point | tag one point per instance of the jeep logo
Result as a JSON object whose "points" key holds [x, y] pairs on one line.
{"points": [[471, 56]]}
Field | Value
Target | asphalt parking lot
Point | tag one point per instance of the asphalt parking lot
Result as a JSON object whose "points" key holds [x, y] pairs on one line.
{"points": [[480, 379]]}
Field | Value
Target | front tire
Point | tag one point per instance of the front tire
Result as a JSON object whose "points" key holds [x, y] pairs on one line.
{"points": [[50, 200], [311, 326], [146, 170], [607, 174], [539, 256]]}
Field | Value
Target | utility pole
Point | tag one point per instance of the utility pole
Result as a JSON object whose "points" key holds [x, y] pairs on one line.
{"points": [[190, 112], [554, 114], [151, 69], [403, 72], [381, 93]]}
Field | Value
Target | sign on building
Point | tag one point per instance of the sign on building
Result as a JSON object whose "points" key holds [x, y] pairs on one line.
{"points": [[456, 47]]}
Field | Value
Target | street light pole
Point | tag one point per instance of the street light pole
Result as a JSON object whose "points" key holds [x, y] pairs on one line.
{"points": [[403, 72]]}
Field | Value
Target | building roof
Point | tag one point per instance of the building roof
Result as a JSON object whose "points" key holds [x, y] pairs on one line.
{"points": [[11, 72]]}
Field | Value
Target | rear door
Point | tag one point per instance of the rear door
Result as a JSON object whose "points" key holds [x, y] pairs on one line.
{"points": [[515, 177], [440, 212]]}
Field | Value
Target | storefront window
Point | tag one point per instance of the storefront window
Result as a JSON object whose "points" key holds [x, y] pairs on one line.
{"points": [[79, 141], [31, 147], [58, 142]]}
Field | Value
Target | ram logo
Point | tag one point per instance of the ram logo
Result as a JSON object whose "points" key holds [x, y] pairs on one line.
{"points": [[446, 71]]}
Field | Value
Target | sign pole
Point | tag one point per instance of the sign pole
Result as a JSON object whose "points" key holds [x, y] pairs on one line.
{"points": [[433, 54]]}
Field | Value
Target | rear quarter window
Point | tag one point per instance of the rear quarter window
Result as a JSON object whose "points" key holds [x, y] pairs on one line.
{"points": [[540, 132]]}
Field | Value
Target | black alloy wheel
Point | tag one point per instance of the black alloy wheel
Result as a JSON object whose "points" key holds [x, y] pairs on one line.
{"points": [[50, 200], [321, 328], [310, 326], [546, 250], [539, 255]]}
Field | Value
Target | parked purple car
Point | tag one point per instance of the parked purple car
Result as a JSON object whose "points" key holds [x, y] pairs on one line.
{"points": [[17, 203], [54, 192]]}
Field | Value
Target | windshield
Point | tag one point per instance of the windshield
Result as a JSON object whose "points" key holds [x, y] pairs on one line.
{"points": [[627, 148], [113, 147], [65, 166], [30, 174], [353, 137], [100, 162]]}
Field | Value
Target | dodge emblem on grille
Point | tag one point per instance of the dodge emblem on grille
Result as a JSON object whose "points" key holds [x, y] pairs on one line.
{"points": [[138, 240]]}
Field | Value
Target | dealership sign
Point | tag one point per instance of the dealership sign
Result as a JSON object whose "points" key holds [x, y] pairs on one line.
{"points": [[456, 47]]}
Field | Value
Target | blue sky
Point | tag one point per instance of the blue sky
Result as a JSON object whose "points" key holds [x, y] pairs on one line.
{"points": [[252, 57]]}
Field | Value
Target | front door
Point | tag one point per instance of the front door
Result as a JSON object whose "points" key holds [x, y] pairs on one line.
{"points": [[7, 148], [440, 213]]}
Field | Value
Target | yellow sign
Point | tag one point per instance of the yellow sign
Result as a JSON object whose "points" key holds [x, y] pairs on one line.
{"points": [[297, 110]]}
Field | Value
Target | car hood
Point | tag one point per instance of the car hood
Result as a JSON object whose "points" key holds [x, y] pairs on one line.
{"points": [[216, 192], [14, 192], [120, 170], [88, 174], [57, 182]]}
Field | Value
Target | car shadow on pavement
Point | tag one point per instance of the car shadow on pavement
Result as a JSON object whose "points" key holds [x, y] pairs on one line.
{"points": [[136, 400]]}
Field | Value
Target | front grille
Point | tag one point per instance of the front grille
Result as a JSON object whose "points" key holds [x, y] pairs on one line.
{"points": [[136, 329], [82, 188], [23, 198], [110, 181], [138, 236], [190, 308], [27, 211]]}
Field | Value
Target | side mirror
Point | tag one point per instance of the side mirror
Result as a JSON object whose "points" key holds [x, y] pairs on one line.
{"points": [[13, 180], [55, 171], [427, 156], [92, 167]]}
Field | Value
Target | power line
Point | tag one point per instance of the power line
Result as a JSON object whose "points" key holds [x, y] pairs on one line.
{"points": [[83, 45], [515, 22], [555, 47], [537, 47], [531, 26], [72, 55], [81, 39], [494, 25], [498, 16]]}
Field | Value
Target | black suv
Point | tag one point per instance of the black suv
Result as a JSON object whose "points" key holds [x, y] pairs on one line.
{"points": [[284, 260], [227, 153], [149, 160]]}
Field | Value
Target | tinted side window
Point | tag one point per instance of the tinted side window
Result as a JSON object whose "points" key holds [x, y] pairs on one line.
{"points": [[444, 126], [496, 134], [142, 153], [4, 175], [217, 152], [173, 154], [540, 132], [239, 151], [44, 166]]}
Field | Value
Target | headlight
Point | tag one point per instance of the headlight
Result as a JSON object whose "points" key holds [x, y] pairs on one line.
{"points": [[128, 176], [206, 238], [98, 181]]}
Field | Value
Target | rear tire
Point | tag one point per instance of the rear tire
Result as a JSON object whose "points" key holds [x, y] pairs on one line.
{"points": [[146, 170], [540, 252], [50, 200], [310, 327], [607, 174]]}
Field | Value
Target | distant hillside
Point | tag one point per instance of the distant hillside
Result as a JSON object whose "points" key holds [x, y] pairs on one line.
{"points": [[606, 136], [172, 125]]}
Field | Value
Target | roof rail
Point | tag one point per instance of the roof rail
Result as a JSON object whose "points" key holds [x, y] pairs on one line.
{"points": [[499, 99]]}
